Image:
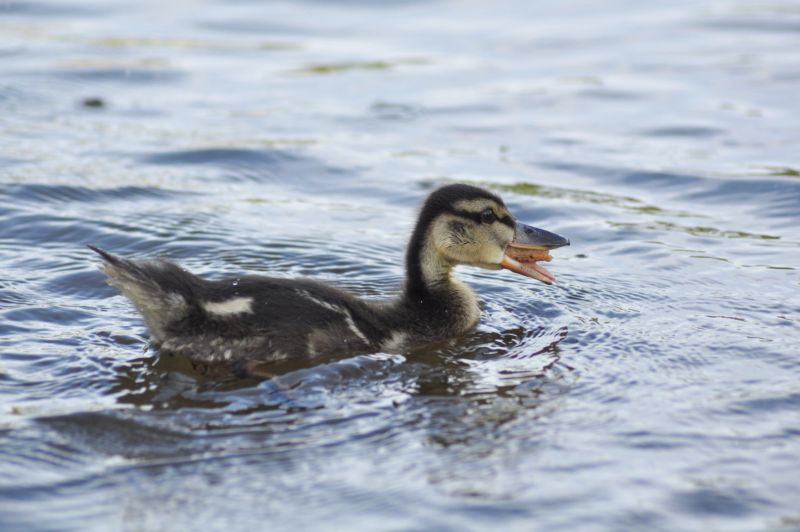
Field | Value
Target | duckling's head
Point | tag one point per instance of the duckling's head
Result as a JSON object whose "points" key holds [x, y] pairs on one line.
{"points": [[463, 224]]}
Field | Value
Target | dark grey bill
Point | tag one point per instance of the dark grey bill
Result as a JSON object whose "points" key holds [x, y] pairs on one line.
{"points": [[526, 235]]}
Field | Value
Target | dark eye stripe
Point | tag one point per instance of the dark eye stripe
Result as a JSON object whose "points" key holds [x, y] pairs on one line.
{"points": [[476, 217], [507, 220]]}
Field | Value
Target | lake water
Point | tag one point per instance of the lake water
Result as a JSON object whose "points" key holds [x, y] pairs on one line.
{"points": [[655, 387]]}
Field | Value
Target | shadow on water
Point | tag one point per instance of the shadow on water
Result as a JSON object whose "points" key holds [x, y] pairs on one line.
{"points": [[450, 368]]}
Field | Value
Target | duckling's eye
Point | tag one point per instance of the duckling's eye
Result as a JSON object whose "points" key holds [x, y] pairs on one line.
{"points": [[488, 216]]}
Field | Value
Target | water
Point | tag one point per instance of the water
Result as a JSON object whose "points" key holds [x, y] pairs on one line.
{"points": [[655, 387]]}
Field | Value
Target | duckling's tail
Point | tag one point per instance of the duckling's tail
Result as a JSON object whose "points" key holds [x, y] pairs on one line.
{"points": [[161, 291]]}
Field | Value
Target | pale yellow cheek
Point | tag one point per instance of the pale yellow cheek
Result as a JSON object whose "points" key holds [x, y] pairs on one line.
{"points": [[488, 253], [496, 256], [493, 247]]}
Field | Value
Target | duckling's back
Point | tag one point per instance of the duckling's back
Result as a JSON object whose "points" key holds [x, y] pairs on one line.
{"points": [[251, 317]]}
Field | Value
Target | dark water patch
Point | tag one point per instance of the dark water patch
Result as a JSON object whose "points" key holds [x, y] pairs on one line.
{"points": [[261, 165], [239, 26], [47, 9], [222, 157], [627, 176], [653, 441], [460, 110], [50, 314], [38, 193], [732, 502], [659, 179], [755, 24], [47, 230], [607, 94], [779, 198], [138, 75], [118, 434], [394, 111], [9, 51], [683, 131], [367, 4], [11, 295], [89, 284], [770, 404]]}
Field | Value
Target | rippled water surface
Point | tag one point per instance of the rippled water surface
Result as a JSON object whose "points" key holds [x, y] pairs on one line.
{"points": [[656, 387]]}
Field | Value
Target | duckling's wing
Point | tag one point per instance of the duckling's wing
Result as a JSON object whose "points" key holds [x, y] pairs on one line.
{"points": [[294, 317], [245, 317]]}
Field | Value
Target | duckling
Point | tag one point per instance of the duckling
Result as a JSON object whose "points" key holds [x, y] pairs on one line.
{"points": [[258, 318]]}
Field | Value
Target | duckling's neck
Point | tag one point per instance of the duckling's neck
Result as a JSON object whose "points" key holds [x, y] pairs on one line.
{"points": [[426, 270], [431, 287]]}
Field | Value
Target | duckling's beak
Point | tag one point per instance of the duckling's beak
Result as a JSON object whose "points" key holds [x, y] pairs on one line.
{"points": [[529, 246]]}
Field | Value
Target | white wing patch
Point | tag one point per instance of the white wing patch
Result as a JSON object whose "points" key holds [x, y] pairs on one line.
{"points": [[396, 342], [237, 305], [352, 324]]}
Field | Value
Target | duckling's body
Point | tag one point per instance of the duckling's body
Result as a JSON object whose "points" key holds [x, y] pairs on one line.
{"points": [[270, 319]]}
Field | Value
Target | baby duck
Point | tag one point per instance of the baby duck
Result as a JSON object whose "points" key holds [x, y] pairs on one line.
{"points": [[258, 318]]}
